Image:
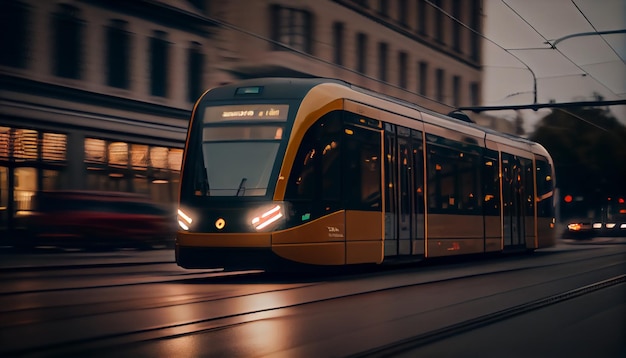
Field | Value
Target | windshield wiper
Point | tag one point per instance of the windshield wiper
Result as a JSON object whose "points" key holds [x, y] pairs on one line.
{"points": [[242, 187]]}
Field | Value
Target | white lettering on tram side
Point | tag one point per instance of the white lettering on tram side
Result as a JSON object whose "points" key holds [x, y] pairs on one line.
{"points": [[334, 231]]}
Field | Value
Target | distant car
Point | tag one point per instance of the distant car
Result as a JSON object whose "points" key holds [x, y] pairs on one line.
{"points": [[579, 229], [92, 219], [610, 222]]}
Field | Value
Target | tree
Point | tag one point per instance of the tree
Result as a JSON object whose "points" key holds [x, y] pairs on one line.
{"points": [[588, 146]]}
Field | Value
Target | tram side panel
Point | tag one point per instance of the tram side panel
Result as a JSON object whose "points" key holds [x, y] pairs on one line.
{"points": [[334, 191]]}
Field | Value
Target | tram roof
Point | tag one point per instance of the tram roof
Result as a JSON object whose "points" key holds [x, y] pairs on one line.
{"points": [[298, 88]]}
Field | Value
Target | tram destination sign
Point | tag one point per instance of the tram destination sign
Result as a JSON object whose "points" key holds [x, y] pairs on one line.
{"points": [[270, 112]]}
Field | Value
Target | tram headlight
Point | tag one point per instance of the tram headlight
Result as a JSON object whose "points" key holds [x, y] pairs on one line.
{"points": [[184, 220], [267, 217]]}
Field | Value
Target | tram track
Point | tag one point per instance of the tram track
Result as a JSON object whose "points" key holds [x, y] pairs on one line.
{"points": [[402, 347], [226, 321]]}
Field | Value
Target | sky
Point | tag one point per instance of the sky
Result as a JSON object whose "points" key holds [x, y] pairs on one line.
{"points": [[530, 41]]}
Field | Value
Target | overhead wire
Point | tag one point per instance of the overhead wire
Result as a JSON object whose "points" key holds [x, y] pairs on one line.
{"points": [[553, 47], [450, 16], [509, 51], [596, 30]]}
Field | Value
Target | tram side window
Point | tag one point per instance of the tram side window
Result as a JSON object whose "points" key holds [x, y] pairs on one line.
{"points": [[528, 183], [362, 168], [453, 181], [314, 185], [545, 188], [491, 188]]}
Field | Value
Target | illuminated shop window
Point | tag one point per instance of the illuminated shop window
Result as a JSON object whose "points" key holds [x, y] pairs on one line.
{"points": [[118, 154], [139, 156], [25, 145], [54, 147], [158, 157], [25, 180], [4, 142], [175, 159], [95, 150]]}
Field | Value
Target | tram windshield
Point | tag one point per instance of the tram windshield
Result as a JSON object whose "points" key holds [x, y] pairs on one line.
{"points": [[239, 148]]}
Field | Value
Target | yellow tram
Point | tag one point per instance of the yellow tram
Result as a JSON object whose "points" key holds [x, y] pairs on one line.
{"points": [[286, 171]]}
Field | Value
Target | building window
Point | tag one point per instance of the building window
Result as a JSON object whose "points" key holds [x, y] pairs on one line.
{"points": [[456, 91], [361, 52], [439, 20], [5, 143], [25, 145], [13, 33], [474, 94], [402, 69], [338, 30], [423, 78], [292, 27], [68, 33], [95, 151], [194, 81], [439, 76], [158, 63], [475, 25], [383, 8], [132, 167], [54, 147], [38, 160], [382, 61], [402, 12], [118, 154], [456, 25], [118, 54], [421, 16]]}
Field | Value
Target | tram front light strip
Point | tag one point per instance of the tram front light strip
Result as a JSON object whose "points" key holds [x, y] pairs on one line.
{"points": [[267, 218], [184, 220]]}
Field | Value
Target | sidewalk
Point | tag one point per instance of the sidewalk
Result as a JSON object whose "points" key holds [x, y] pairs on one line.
{"points": [[11, 259]]}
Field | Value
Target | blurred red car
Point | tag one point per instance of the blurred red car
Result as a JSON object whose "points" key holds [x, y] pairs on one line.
{"points": [[92, 219]]}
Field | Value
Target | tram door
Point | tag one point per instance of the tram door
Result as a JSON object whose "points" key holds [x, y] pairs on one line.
{"points": [[404, 219], [513, 203]]}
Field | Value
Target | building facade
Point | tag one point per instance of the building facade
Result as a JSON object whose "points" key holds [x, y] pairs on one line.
{"points": [[96, 94]]}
